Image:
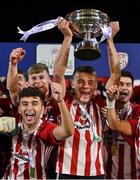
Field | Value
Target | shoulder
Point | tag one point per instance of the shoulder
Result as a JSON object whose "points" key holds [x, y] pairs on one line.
{"points": [[135, 107], [45, 133]]}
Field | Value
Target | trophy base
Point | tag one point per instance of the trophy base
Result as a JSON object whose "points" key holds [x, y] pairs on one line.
{"points": [[87, 51]]}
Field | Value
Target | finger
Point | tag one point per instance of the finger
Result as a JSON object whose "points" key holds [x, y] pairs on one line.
{"points": [[5, 126], [73, 28], [54, 90], [10, 124], [23, 52], [50, 82], [13, 124], [1, 126]]}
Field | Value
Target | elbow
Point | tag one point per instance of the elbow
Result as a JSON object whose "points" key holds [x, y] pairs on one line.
{"points": [[70, 132], [111, 126]]}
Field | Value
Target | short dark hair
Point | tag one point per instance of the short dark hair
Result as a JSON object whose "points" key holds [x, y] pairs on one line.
{"points": [[86, 69], [127, 74], [20, 71], [37, 68], [31, 92]]}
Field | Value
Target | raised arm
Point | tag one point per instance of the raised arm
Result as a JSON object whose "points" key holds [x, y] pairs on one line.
{"points": [[115, 123], [66, 128], [62, 58], [113, 57], [12, 76]]}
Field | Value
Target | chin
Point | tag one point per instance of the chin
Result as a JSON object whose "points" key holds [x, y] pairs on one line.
{"points": [[29, 122], [123, 101], [84, 101]]}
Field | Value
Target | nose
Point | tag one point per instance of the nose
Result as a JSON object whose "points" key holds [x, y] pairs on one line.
{"points": [[124, 86], [29, 107], [86, 84], [37, 81]]}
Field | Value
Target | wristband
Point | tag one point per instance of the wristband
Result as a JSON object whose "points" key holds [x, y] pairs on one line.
{"points": [[110, 104]]}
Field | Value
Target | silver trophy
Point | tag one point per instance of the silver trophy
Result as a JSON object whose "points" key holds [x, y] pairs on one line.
{"points": [[88, 23]]}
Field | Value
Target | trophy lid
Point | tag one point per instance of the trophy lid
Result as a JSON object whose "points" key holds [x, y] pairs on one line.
{"points": [[88, 22]]}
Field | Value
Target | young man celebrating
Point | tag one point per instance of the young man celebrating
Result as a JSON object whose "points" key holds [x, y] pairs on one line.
{"points": [[33, 138], [80, 156], [124, 121]]}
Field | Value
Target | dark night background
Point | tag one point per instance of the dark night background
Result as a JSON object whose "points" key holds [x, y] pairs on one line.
{"points": [[27, 13]]}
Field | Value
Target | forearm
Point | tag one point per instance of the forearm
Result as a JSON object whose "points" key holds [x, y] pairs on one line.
{"points": [[61, 63], [112, 118], [115, 123], [66, 128], [66, 119], [11, 75], [12, 80], [62, 60], [113, 63]]}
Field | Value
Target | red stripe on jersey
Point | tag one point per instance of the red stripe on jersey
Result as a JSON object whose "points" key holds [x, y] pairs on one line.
{"points": [[96, 117], [38, 159], [78, 113], [68, 101], [26, 173], [75, 148], [88, 153], [61, 157], [133, 164], [8, 171], [121, 161], [109, 161], [97, 162]]}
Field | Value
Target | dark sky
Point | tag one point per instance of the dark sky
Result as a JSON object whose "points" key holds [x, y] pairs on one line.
{"points": [[27, 13]]}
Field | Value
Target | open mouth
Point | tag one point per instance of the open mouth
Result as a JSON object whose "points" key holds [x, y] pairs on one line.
{"points": [[85, 93], [29, 116], [39, 87], [123, 94]]}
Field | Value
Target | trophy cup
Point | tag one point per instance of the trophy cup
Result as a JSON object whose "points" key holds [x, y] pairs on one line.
{"points": [[88, 23]]}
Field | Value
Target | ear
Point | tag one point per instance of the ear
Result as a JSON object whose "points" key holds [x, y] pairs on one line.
{"points": [[96, 84], [133, 94], [19, 111], [72, 84], [43, 109]]}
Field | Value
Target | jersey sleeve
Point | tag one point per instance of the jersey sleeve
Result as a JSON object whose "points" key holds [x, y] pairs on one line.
{"points": [[45, 133]]}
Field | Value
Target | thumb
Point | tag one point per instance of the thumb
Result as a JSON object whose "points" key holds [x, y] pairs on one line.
{"points": [[50, 82]]}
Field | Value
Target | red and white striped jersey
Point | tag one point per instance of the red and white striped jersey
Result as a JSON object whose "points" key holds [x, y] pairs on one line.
{"points": [[29, 153], [80, 154], [120, 155], [136, 131]]}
